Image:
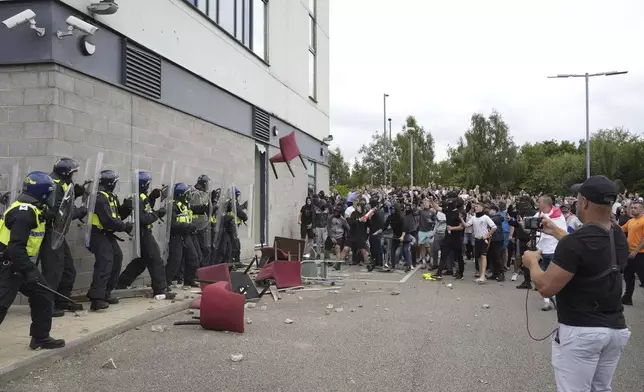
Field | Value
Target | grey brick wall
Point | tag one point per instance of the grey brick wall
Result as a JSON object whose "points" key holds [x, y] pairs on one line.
{"points": [[47, 112]]}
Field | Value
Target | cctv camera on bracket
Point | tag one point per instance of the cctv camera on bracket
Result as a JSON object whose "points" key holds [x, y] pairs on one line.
{"points": [[105, 7], [22, 18], [76, 24]]}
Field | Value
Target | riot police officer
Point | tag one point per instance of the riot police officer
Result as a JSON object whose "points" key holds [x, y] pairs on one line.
{"points": [[106, 221], [202, 185], [150, 252], [182, 245], [228, 248], [21, 236], [58, 264]]}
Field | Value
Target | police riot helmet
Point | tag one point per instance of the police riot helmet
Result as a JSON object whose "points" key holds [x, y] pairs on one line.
{"points": [[108, 180], [144, 181], [180, 190], [65, 168], [202, 182], [38, 185]]}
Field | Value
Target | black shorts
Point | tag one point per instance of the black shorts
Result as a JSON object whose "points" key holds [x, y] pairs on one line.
{"points": [[480, 247], [328, 244], [304, 232]]}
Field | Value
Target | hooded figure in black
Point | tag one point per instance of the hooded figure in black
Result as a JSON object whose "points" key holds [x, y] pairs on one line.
{"points": [[307, 214]]}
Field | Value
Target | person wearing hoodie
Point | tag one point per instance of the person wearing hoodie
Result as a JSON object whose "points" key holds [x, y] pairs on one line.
{"points": [[305, 220], [495, 253], [358, 236], [337, 229]]}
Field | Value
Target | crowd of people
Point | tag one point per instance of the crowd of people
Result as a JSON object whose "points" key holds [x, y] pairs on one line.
{"points": [[439, 228]]}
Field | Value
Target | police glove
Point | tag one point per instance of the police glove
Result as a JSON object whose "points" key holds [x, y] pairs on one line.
{"points": [[81, 212], [129, 226], [4, 198], [127, 203], [161, 212], [32, 275], [155, 194], [79, 190]]}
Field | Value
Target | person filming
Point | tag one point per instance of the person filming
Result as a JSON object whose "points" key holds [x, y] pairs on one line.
{"points": [[586, 275]]}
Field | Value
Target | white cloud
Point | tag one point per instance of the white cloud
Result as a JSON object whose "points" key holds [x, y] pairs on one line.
{"points": [[443, 60]]}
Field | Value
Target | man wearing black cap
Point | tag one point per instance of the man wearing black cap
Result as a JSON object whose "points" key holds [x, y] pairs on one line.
{"points": [[585, 274]]}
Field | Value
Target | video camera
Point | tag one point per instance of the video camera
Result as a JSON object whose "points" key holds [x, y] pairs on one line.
{"points": [[533, 223]]}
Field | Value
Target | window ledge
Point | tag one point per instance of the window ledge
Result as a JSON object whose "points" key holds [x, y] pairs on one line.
{"points": [[313, 99]]}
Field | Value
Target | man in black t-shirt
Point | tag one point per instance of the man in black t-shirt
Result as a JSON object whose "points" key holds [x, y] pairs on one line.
{"points": [[452, 244], [585, 274]]}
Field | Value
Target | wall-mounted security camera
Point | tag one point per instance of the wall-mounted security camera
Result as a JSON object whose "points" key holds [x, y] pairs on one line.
{"points": [[26, 16], [76, 24], [105, 7]]}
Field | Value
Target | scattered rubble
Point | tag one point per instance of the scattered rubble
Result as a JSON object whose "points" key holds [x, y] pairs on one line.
{"points": [[458, 299], [334, 291], [483, 382], [81, 313], [386, 309], [250, 305], [327, 312], [249, 321], [84, 330], [352, 310], [151, 307], [486, 306], [263, 307], [236, 357], [338, 310], [300, 298], [109, 364], [395, 293], [329, 306], [361, 305], [288, 321], [158, 328], [190, 311], [450, 286]]}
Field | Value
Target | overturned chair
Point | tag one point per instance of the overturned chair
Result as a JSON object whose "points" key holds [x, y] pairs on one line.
{"points": [[221, 309]]}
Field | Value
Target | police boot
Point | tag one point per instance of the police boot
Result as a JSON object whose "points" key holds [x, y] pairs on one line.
{"points": [[72, 307], [56, 312], [191, 283], [47, 343], [111, 301], [97, 304]]}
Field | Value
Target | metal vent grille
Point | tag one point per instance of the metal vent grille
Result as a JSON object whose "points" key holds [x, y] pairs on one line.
{"points": [[261, 125], [143, 72]]}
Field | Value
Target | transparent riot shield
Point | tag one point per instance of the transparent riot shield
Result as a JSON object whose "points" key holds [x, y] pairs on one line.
{"points": [[14, 187], [220, 203], [232, 203], [209, 228], [199, 199], [159, 227], [169, 202], [87, 182], [136, 214], [63, 218], [91, 198]]}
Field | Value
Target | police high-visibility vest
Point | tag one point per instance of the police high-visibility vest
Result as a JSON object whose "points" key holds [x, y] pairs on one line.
{"points": [[35, 235], [64, 185], [148, 207], [185, 213], [114, 208]]}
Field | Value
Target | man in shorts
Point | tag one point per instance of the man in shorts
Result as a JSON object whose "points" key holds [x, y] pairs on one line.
{"points": [[426, 232]]}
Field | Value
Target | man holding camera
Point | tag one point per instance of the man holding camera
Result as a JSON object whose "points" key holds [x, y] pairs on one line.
{"points": [[585, 274]]}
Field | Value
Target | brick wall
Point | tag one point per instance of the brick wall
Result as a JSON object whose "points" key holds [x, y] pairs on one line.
{"points": [[47, 112]]}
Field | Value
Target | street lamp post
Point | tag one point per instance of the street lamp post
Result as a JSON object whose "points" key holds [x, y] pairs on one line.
{"points": [[411, 149], [390, 155], [586, 77], [384, 132]]}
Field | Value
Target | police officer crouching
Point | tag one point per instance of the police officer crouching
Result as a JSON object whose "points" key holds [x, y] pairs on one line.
{"points": [[105, 222], [57, 264], [182, 247], [21, 235]]}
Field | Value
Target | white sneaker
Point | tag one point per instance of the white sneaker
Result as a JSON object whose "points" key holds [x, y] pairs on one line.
{"points": [[514, 276], [547, 305], [480, 280]]}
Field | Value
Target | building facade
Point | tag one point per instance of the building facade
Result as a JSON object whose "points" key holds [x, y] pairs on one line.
{"points": [[210, 85]]}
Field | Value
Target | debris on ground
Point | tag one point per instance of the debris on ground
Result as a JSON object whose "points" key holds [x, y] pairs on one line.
{"points": [[450, 286], [334, 291], [109, 364], [190, 311], [249, 321], [338, 310], [263, 307], [486, 306], [395, 293], [84, 330], [468, 325], [386, 309], [37, 378], [236, 357], [250, 305], [290, 291], [186, 288], [329, 306], [81, 313], [361, 305], [458, 299], [327, 312], [352, 310], [300, 298], [288, 321], [483, 382], [137, 328], [377, 306], [158, 328], [151, 307]]}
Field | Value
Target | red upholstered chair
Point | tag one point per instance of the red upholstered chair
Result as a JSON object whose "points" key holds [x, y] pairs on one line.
{"points": [[288, 151], [285, 274], [211, 273], [221, 309]]}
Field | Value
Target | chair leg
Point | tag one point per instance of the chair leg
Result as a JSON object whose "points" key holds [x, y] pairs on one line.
{"points": [[274, 171], [288, 164], [303, 163]]}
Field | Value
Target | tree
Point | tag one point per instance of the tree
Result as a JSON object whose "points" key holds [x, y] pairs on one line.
{"points": [[360, 175], [374, 157], [339, 173], [423, 154]]}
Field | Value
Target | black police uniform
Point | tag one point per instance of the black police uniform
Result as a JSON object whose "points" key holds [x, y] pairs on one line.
{"points": [[182, 245], [150, 252], [58, 264], [201, 236], [21, 237], [105, 222]]}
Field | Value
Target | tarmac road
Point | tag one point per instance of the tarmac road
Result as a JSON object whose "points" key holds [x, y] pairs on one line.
{"points": [[428, 338]]}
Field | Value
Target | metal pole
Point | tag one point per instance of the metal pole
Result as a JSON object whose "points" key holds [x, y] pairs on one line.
{"points": [[384, 132], [411, 144], [587, 131], [391, 154]]}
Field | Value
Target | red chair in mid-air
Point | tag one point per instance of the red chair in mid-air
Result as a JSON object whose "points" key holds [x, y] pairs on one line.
{"points": [[288, 151]]}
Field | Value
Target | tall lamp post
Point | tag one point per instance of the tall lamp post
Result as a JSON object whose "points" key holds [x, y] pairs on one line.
{"points": [[390, 155], [411, 149], [587, 76], [384, 132]]}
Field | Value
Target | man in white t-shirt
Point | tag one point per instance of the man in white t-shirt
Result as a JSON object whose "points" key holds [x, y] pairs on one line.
{"points": [[547, 243], [483, 227]]}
